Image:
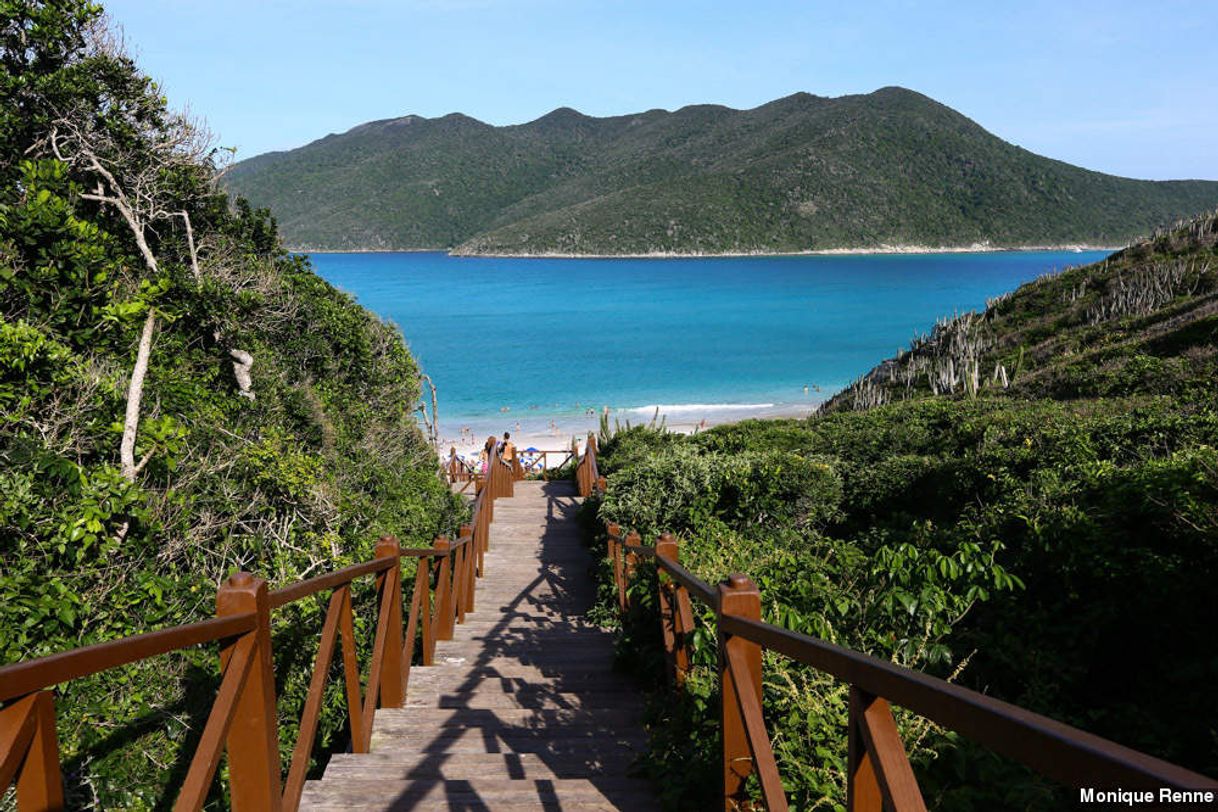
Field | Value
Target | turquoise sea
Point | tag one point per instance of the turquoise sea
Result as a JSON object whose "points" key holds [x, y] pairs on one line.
{"points": [[541, 341]]}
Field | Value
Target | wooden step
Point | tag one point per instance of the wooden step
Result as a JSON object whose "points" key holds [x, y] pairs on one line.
{"points": [[524, 717], [479, 794], [539, 700], [509, 739], [522, 709], [484, 765]]}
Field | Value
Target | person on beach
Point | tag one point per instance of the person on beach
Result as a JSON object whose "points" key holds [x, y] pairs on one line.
{"points": [[484, 457], [507, 451]]}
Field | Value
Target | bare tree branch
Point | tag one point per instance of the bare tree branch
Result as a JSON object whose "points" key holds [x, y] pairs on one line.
{"points": [[135, 391]]}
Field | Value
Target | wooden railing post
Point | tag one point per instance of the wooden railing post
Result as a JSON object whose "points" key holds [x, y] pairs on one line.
{"points": [[614, 531], [29, 749], [666, 548], [584, 474], [614, 550], [389, 593], [253, 735], [428, 627], [633, 539], [581, 466], [445, 616], [738, 597], [496, 477], [675, 613], [879, 776], [509, 481], [482, 537], [862, 787], [602, 484], [471, 574], [458, 559]]}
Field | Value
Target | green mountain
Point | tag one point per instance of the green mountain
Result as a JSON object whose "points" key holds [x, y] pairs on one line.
{"points": [[803, 172]]}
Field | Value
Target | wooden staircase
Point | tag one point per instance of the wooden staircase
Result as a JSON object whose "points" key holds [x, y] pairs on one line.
{"points": [[521, 709]]}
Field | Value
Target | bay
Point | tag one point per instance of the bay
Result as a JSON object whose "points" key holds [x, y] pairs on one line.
{"points": [[539, 341]]}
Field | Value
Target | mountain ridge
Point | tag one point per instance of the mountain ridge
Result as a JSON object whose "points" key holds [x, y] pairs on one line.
{"points": [[799, 173]]}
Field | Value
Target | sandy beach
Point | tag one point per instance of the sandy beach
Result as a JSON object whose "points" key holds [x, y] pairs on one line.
{"points": [[550, 433], [974, 248]]}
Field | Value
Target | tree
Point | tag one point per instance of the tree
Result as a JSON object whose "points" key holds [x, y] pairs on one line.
{"points": [[135, 182]]}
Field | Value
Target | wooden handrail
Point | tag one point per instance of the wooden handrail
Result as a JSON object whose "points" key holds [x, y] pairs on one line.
{"points": [[320, 583], [243, 720], [26, 677], [456, 470], [880, 775], [1050, 748]]}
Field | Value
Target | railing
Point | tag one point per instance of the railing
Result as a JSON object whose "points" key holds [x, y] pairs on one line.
{"points": [[587, 475], [457, 469], [538, 462], [243, 720], [525, 463], [879, 773]]}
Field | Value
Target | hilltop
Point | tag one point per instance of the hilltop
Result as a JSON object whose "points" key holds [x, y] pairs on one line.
{"points": [[1144, 320], [803, 172]]}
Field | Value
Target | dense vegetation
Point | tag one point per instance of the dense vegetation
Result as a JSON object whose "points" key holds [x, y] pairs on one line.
{"points": [[179, 399], [1025, 502], [804, 172]]}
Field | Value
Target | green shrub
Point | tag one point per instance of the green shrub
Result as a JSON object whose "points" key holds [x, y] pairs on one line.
{"points": [[994, 541]]}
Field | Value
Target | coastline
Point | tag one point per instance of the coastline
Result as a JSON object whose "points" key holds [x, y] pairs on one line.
{"points": [[880, 250], [291, 250], [533, 431]]}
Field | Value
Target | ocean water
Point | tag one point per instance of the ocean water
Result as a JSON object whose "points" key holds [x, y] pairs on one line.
{"points": [[539, 342]]}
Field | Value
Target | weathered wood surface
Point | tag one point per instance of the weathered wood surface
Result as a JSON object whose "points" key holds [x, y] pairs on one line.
{"points": [[522, 709]]}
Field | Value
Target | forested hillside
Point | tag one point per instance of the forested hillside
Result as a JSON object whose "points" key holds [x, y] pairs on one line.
{"points": [[803, 172], [179, 399], [1025, 502]]}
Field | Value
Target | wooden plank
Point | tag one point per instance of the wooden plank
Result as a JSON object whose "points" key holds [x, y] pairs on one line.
{"points": [[886, 752], [523, 696]]}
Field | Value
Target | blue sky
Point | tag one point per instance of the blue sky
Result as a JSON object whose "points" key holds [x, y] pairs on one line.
{"points": [[1122, 87]]}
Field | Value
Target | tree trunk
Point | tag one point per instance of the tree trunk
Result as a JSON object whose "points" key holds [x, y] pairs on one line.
{"points": [[190, 242], [135, 392], [242, 361]]}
